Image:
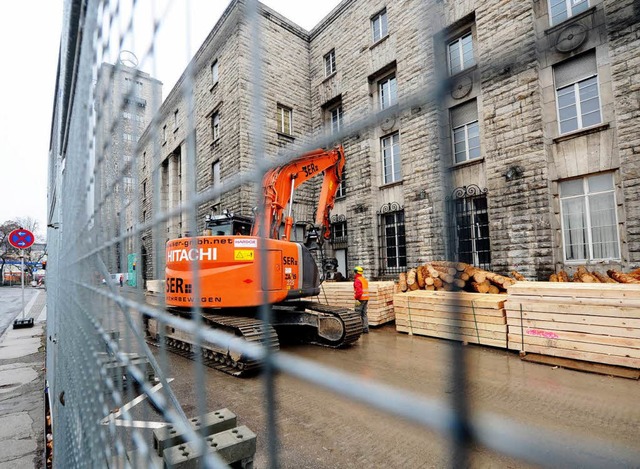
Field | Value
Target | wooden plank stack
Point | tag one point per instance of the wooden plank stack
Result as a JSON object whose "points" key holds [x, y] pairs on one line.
{"points": [[469, 317], [380, 310], [593, 322]]}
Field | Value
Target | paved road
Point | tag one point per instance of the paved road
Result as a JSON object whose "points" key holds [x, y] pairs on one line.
{"points": [[11, 304], [318, 429]]}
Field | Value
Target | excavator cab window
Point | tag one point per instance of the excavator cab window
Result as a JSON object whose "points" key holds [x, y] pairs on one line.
{"points": [[241, 228], [226, 225]]}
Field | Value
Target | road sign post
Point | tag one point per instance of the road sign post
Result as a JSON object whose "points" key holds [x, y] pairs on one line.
{"points": [[22, 239]]}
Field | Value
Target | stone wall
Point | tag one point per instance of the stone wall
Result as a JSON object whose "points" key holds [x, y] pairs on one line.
{"points": [[512, 84]]}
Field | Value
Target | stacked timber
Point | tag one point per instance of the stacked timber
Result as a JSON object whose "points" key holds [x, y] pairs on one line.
{"points": [[468, 317], [455, 276], [154, 292], [582, 275], [598, 323], [380, 308]]}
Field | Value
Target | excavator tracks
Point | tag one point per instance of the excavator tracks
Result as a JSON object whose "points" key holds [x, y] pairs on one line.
{"points": [[329, 326], [213, 356], [345, 325]]}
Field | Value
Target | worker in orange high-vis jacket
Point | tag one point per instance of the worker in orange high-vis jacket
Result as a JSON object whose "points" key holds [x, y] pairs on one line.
{"points": [[361, 295]]}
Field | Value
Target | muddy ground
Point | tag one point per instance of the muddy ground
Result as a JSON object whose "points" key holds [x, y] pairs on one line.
{"points": [[319, 429]]}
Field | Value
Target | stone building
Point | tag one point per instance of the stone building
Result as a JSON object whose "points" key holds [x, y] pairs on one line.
{"points": [[500, 134], [126, 101]]}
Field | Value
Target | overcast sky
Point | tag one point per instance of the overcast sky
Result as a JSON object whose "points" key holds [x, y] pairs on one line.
{"points": [[30, 38]]}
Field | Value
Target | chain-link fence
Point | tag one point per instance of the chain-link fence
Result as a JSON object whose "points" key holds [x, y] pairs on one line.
{"points": [[130, 171]]}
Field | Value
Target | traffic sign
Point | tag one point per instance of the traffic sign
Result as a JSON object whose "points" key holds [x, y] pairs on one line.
{"points": [[21, 238]]}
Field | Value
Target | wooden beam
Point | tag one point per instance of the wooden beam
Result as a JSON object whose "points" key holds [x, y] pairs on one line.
{"points": [[609, 370]]}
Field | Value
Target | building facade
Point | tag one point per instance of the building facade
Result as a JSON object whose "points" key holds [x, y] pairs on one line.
{"points": [[126, 100], [499, 134]]}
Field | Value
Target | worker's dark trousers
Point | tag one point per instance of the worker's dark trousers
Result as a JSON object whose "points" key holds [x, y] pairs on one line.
{"points": [[361, 307]]}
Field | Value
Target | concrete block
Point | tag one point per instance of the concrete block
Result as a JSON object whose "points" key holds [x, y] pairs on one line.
{"points": [[233, 446], [117, 371], [137, 459], [211, 423]]}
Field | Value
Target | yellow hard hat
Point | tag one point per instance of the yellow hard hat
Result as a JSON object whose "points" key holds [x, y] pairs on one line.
{"points": [[358, 269]]}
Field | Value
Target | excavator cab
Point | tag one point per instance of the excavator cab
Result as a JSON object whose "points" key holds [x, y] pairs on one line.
{"points": [[227, 224]]}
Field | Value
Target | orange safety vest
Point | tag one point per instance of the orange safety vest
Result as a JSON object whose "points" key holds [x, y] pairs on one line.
{"points": [[365, 287]]}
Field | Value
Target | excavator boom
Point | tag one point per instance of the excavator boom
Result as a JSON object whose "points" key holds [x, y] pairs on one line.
{"points": [[280, 183]]}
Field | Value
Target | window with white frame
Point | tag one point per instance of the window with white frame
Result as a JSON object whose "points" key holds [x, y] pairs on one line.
{"points": [[164, 133], [391, 164], [215, 126], [175, 119], [214, 73], [330, 63], [336, 119], [388, 91], [460, 54], [589, 220], [465, 132], [128, 184], [215, 180], [560, 10], [284, 119], [339, 230], [577, 93], [379, 25]]}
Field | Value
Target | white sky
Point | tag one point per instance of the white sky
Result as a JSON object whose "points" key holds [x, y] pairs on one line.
{"points": [[30, 34]]}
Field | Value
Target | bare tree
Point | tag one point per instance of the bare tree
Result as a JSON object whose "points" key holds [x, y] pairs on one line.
{"points": [[31, 224], [6, 250]]}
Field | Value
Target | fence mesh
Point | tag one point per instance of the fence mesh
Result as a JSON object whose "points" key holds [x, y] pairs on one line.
{"points": [[114, 203]]}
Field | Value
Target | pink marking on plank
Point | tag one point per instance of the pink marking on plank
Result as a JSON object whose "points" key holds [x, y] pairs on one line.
{"points": [[545, 334]]}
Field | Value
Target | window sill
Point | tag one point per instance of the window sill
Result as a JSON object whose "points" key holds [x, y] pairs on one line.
{"points": [[176, 129], [328, 78], [464, 164], [213, 87], [379, 41], [215, 143], [581, 132], [568, 21], [592, 262], [164, 143], [391, 184], [463, 72], [284, 136]]}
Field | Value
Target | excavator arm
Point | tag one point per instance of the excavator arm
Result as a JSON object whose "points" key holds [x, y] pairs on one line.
{"points": [[279, 185]]}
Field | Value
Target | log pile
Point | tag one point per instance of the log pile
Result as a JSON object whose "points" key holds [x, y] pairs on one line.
{"points": [[455, 276], [462, 316], [583, 275], [598, 323], [380, 309]]}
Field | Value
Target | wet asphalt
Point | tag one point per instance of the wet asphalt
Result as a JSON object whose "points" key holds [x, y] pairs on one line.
{"points": [[316, 428]]}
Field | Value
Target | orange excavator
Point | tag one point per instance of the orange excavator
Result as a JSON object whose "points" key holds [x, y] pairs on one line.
{"points": [[242, 263]]}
